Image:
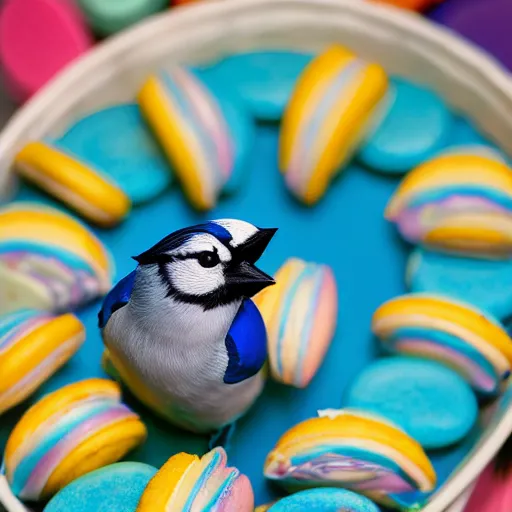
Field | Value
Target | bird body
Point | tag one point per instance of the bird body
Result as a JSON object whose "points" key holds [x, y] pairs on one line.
{"points": [[181, 330]]}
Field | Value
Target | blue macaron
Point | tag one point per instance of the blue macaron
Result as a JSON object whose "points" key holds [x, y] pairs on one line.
{"points": [[486, 284], [263, 80], [427, 400], [116, 487], [411, 125], [116, 142], [324, 500]]}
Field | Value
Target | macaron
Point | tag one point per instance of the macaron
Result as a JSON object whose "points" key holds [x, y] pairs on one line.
{"points": [[411, 124], [92, 194], [187, 482], [206, 134], [430, 402], [68, 433], [355, 450], [49, 261], [38, 38], [457, 334], [328, 499], [487, 284], [116, 142], [263, 80], [300, 313], [109, 16], [456, 203], [117, 487], [33, 346], [325, 120]]}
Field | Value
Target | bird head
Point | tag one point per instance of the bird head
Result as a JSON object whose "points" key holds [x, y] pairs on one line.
{"points": [[210, 264]]}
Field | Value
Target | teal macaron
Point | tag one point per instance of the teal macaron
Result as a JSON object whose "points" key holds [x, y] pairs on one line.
{"points": [[411, 125], [116, 142], [486, 284], [263, 80], [117, 487], [429, 401]]}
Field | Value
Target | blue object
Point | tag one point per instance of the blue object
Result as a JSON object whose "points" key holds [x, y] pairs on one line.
{"points": [[116, 142], [118, 297], [486, 284], [346, 230], [324, 500], [415, 125], [116, 487], [246, 344], [263, 80], [427, 400]]}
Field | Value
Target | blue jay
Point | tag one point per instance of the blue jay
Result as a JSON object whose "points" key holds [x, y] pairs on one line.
{"points": [[181, 330]]}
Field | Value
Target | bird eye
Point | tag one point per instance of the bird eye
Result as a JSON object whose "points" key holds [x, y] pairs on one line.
{"points": [[208, 259]]}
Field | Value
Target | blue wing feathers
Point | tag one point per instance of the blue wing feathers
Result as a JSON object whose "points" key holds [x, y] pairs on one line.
{"points": [[246, 344], [118, 297]]}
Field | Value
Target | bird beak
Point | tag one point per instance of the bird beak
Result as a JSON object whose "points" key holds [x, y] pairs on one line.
{"points": [[246, 280], [254, 247]]}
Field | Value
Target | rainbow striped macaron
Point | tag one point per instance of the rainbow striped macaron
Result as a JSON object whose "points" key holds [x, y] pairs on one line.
{"points": [[68, 433], [187, 482], [457, 202], [326, 119], [33, 346], [300, 313], [73, 181], [354, 450], [206, 137], [459, 335], [48, 260]]}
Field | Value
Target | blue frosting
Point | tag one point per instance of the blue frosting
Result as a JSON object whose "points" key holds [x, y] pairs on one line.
{"points": [[118, 297], [429, 401], [324, 500], [58, 431], [484, 283], [246, 344], [116, 142], [116, 487], [263, 80], [416, 125]]}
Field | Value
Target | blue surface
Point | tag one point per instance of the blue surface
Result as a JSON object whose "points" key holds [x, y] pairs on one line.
{"points": [[115, 488], [485, 283], [429, 401], [264, 80], [416, 125], [116, 142], [345, 230], [325, 500]]}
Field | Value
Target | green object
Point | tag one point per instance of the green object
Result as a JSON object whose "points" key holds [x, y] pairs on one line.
{"points": [[109, 16]]}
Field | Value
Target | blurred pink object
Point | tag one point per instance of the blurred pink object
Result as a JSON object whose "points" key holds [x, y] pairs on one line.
{"points": [[492, 493], [37, 39]]}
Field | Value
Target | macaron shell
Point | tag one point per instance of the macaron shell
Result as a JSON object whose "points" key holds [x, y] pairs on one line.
{"points": [[38, 38], [263, 80], [40, 353], [415, 125], [19, 221], [91, 194], [161, 487], [105, 447], [163, 119], [413, 394], [324, 500], [110, 16], [117, 487], [116, 141], [487, 284], [57, 402]]}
